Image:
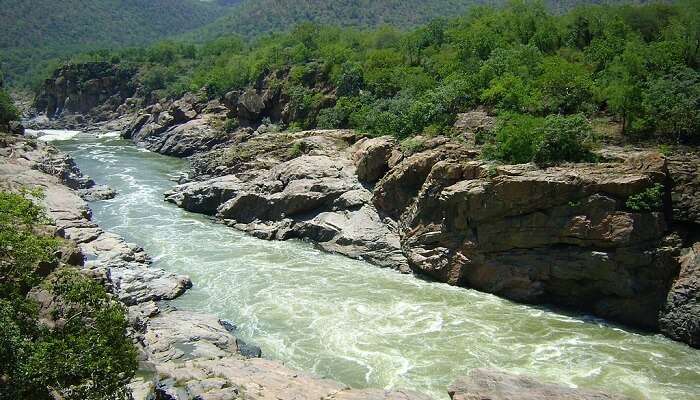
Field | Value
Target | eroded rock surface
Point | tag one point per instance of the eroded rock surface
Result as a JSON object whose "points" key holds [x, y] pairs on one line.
{"points": [[179, 128], [94, 87], [680, 318], [316, 196], [489, 384], [559, 235], [684, 167]]}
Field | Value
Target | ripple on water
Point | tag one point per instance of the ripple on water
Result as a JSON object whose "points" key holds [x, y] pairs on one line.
{"points": [[362, 325]]}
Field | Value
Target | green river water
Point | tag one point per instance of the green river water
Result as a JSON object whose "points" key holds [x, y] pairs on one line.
{"points": [[359, 324]]}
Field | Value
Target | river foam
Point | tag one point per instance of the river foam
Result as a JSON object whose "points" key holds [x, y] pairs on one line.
{"points": [[359, 324]]}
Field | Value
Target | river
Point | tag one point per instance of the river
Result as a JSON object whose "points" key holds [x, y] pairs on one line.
{"points": [[359, 324]]}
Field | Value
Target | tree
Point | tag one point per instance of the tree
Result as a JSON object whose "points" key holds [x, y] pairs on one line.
{"points": [[671, 105]]}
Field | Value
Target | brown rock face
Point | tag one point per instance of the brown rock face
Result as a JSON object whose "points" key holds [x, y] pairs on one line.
{"points": [[488, 384], [560, 235], [684, 166], [372, 157], [680, 318], [82, 88], [179, 128], [473, 123]]}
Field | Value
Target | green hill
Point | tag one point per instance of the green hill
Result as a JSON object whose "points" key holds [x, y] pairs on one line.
{"points": [[33, 31], [40, 30], [253, 17]]}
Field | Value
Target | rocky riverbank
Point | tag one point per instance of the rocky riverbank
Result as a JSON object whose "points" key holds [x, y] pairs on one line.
{"points": [[191, 355], [567, 235], [183, 354]]}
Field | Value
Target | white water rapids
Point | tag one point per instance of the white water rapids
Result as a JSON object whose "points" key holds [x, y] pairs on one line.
{"points": [[359, 324]]}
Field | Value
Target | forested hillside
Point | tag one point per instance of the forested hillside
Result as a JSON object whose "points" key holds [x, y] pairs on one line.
{"points": [[37, 31], [539, 72], [254, 17], [33, 31]]}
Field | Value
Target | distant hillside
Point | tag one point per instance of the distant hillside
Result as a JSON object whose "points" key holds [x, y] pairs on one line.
{"points": [[253, 17], [38, 29]]}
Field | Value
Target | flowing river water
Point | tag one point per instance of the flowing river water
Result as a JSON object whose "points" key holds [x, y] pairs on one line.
{"points": [[359, 324]]}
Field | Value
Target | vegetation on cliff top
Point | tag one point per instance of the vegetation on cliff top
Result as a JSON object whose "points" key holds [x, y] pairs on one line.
{"points": [[637, 63], [74, 349], [8, 111]]}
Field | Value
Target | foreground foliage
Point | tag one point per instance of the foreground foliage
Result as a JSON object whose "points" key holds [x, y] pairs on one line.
{"points": [[77, 348]]}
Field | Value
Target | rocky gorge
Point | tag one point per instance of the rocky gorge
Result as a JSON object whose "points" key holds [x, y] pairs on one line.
{"points": [[561, 235], [195, 355]]}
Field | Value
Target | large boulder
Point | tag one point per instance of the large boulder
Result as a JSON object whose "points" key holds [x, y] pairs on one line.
{"points": [[473, 123], [680, 318], [371, 157], [180, 128], [683, 165], [489, 384], [315, 196]]}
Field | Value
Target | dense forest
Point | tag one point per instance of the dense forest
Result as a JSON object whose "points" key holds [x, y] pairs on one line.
{"points": [[36, 31], [255, 17], [540, 72]]}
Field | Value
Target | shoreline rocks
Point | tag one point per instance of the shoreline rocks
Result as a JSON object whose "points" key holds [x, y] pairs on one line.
{"points": [[182, 354]]}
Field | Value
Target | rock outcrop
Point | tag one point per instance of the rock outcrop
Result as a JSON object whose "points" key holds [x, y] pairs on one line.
{"points": [[680, 318], [489, 384], [63, 166], [267, 99], [96, 88], [179, 128], [684, 164], [315, 196], [560, 235]]}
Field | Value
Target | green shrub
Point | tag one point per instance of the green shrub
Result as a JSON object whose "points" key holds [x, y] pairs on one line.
{"points": [[649, 200], [564, 139], [672, 106], [231, 125], [515, 139], [351, 80], [21, 249], [412, 145], [546, 141], [8, 112], [296, 150], [330, 118], [89, 356]]}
